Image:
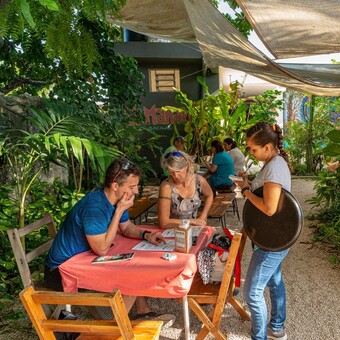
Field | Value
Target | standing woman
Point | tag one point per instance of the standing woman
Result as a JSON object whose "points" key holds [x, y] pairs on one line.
{"points": [[180, 195], [265, 144], [236, 154]]}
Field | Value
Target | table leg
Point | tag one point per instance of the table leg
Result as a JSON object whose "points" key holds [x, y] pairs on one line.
{"points": [[186, 317]]}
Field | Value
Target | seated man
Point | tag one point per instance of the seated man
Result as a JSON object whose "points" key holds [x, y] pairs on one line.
{"points": [[94, 221]]}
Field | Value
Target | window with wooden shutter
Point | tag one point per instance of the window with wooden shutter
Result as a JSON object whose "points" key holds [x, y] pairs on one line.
{"points": [[164, 80]]}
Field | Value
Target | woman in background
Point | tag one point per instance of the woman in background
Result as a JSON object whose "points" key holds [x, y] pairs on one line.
{"points": [[265, 144], [180, 194], [236, 154], [221, 168]]}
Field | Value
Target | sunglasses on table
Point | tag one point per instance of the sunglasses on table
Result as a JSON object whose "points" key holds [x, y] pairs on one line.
{"points": [[123, 167], [175, 153]]}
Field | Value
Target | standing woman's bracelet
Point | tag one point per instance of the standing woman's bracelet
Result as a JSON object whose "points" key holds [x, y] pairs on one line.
{"points": [[244, 189]]}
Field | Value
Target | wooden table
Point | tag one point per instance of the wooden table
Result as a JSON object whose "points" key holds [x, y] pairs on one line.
{"points": [[147, 274], [141, 207]]}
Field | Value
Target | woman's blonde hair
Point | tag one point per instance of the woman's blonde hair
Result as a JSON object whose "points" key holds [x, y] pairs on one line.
{"points": [[177, 160]]}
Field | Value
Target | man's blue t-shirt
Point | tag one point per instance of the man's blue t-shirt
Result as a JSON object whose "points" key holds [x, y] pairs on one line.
{"points": [[225, 168], [90, 216]]}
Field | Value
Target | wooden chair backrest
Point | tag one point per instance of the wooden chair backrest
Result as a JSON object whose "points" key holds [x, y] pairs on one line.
{"points": [[218, 294], [21, 257], [120, 328]]}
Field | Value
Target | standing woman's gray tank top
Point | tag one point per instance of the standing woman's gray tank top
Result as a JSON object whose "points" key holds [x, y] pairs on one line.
{"points": [[185, 208]]}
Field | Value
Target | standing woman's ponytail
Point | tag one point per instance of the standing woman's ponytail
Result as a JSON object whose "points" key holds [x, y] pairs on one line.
{"points": [[283, 153]]}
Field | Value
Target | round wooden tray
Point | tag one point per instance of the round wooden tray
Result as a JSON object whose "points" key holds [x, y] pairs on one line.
{"points": [[277, 232]]}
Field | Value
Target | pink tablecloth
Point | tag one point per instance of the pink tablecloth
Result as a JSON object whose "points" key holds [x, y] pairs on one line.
{"points": [[147, 274]]}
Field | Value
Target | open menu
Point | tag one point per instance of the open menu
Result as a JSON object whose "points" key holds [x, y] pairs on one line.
{"points": [[113, 258]]}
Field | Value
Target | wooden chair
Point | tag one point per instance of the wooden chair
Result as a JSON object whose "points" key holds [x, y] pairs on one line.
{"points": [[218, 294], [22, 257], [120, 328]]}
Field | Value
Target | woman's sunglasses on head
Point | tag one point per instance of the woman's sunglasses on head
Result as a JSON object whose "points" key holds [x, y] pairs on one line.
{"points": [[175, 153]]}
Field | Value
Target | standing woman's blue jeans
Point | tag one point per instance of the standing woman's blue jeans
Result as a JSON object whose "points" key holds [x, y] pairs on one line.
{"points": [[265, 270]]}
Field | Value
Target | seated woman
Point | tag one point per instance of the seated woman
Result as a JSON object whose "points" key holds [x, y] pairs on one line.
{"points": [[236, 154], [221, 168], [180, 194]]}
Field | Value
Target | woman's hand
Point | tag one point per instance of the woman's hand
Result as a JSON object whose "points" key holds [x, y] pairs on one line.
{"points": [[201, 221], [243, 175], [245, 181]]}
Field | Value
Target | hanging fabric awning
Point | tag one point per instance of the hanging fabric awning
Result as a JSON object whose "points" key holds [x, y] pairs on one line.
{"points": [[220, 43], [295, 28]]}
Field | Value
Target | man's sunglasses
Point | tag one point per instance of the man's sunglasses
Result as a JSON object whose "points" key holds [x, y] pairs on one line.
{"points": [[123, 167], [175, 153]]}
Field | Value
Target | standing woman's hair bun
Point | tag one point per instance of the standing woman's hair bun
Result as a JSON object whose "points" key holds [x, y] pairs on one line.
{"points": [[263, 133]]}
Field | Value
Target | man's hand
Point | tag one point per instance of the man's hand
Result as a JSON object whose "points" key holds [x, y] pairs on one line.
{"points": [[155, 238], [126, 201]]}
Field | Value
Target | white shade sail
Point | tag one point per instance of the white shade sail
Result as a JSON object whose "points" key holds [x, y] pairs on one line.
{"points": [[295, 28], [221, 44]]}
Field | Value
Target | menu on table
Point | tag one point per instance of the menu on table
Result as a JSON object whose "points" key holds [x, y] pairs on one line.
{"points": [[145, 245]]}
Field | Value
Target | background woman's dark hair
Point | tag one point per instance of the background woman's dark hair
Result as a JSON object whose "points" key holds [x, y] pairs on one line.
{"points": [[217, 145], [263, 133], [230, 141], [119, 170]]}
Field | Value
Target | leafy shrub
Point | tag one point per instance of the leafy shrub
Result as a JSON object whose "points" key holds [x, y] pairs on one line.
{"points": [[55, 198], [327, 198]]}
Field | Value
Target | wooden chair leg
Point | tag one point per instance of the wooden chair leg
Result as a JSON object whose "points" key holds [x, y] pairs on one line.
{"points": [[215, 330], [200, 313], [239, 308], [210, 323], [235, 207]]}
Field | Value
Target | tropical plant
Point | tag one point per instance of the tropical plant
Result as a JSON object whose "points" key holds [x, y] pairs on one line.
{"points": [[222, 115], [327, 198], [299, 133], [60, 136]]}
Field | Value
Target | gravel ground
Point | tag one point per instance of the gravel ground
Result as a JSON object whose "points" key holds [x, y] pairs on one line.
{"points": [[312, 284]]}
